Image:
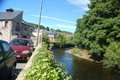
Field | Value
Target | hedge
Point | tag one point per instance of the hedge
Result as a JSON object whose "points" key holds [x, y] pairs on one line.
{"points": [[44, 67]]}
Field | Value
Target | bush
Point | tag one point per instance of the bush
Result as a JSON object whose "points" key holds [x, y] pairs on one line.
{"points": [[44, 67], [61, 40], [112, 56], [45, 39]]}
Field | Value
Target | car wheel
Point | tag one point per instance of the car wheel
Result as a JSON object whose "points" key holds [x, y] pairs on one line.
{"points": [[12, 73]]}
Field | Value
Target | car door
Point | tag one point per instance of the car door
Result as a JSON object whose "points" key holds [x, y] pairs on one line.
{"points": [[9, 55], [3, 68], [1, 58]]}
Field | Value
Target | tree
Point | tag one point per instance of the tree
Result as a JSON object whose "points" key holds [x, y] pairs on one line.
{"points": [[99, 27], [36, 25], [45, 39], [112, 55], [60, 40], [47, 28], [58, 30]]}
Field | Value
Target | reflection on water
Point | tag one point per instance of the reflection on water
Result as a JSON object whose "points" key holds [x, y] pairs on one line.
{"points": [[81, 69]]}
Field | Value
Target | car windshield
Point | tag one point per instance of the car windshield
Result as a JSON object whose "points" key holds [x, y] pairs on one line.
{"points": [[20, 42]]}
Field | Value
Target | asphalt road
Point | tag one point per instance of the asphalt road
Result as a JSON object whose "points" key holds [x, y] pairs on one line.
{"points": [[19, 67]]}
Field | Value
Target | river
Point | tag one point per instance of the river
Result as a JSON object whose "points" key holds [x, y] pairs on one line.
{"points": [[81, 69]]}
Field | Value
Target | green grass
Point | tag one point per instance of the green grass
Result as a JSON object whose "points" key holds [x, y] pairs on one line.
{"points": [[76, 51], [81, 52]]}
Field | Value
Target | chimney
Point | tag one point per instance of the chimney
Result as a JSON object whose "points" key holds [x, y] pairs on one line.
{"points": [[9, 10]]}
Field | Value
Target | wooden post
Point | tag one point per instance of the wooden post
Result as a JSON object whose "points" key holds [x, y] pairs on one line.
{"points": [[38, 36]]}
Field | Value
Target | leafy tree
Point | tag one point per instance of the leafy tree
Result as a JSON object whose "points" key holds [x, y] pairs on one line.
{"points": [[36, 25], [45, 39], [58, 30], [47, 28], [112, 55], [99, 27], [61, 40]]}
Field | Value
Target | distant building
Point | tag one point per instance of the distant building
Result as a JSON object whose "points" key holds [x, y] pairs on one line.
{"points": [[50, 34], [12, 25]]}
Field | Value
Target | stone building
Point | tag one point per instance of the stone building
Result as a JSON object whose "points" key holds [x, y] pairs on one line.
{"points": [[12, 25], [50, 34]]}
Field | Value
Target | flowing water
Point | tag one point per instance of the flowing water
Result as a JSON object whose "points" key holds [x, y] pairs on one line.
{"points": [[81, 69]]}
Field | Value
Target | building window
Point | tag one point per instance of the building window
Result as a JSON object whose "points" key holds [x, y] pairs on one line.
{"points": [[17, 28], [6, 24], [25, 28]]}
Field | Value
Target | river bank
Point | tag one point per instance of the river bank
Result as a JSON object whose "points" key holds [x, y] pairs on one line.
{"points": [[81, 68], [84, 54]]}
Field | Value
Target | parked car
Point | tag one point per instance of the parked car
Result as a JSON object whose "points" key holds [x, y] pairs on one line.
{"points": [[23, 47], [7, 60]]}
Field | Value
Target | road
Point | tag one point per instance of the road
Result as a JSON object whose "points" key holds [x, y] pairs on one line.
{"points": [[19, 67]]}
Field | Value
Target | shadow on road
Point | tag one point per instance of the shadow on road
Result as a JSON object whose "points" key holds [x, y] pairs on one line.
{"points": [[21, 61], [20, 65], [17, 71]]}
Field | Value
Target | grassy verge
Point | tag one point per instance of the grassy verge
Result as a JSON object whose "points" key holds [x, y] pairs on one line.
{"points": [[80, 53], [44, 67]]}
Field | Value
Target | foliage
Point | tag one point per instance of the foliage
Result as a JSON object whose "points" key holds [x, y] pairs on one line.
{"points": [[76, 51], [36, 25], [99, 27], [45, 68], [81, 52], [47, 28], [45, 38], [69, 41], [112, 55], [61, 40]]}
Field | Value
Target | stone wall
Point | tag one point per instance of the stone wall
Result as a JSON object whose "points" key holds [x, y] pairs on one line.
{"points": [[5, 27]]}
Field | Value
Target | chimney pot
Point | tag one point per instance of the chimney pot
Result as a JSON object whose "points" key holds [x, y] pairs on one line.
{"points": [[9, 10]]}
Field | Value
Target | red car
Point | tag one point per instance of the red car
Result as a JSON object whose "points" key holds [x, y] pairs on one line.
{"points": [[23, 47]]}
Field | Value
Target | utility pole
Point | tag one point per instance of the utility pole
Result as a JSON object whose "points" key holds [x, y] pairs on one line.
{"points": [[38, 36]]}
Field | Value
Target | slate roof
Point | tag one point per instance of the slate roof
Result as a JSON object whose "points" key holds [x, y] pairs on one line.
{"points": [[26, 23], [9, 15], [51, 33]]}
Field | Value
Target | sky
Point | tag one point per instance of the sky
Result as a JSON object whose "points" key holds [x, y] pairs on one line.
{"points": [[56, 14]]}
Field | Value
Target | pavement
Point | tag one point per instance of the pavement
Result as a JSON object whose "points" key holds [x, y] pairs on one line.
{"points": [[21, 75], [19, 67]]}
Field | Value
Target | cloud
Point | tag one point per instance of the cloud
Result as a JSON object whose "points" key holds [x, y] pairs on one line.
{"points": [[81, 3], [56, 19], [66, 26], [63, 27]]}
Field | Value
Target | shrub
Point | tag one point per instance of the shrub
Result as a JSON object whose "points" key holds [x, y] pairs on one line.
{"points": [[112, 56], [44, 67], [61, 40]]}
